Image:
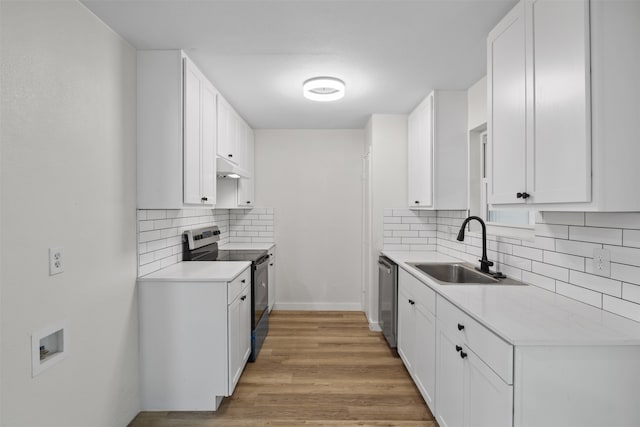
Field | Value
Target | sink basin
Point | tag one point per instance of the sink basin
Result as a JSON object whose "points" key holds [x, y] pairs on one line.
{"points": [[460, 274]]}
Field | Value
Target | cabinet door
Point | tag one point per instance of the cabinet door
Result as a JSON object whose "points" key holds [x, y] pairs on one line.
{"points": [[420, 155], [191, 138], [424, 361], [507, 100], [245, 328], [560, 150], [272, 279], [246, 186], [488, 400], [226, 130], [208, 158], [449, 382], [234, 341], [406, 327]]}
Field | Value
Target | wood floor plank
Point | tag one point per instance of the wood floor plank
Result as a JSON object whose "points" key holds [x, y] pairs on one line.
{"points": [[315, 369]]}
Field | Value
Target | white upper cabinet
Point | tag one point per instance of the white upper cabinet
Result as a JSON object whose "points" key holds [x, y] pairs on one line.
{"points": [[246, 186], [560, 122], [176, 133], [199, 137], [232, 132], [437, 152]]}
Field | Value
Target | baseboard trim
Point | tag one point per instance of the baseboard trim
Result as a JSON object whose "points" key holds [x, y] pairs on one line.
{"points": [[317, 306], [375, 327]]}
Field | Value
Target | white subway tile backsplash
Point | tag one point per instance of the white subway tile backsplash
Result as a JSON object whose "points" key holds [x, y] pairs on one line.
{"points": [[549, 270], [581, 294], [563, 260], [389, 226], [538, 280], [609, 236], [547, 243], [576, 248], [405, 233], [525, 252], [160, 231], [392, 220], [626, 273], [621, 307], [563, 218], [624, 255], [550, 230], [614, 219], [561, 255], [631, 292], [596, 283], [631, 238]]}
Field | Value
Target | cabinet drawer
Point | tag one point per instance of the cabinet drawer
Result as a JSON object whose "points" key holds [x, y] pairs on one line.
{"points": [[493, 351], [423, 294], [238, 285]]}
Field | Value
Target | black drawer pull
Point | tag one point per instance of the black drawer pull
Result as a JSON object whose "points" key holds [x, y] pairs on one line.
{"points": [[243, 280], [463, 355], [458, 348], [243, 297], [460, 326], [412, 302]]}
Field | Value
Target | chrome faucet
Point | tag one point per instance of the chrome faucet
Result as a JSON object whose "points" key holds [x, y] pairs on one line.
{"points": [[484, 262]]}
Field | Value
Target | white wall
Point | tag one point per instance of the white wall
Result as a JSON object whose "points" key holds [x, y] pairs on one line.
{"points": [[312, 180], [68, 179], [387, 138]]}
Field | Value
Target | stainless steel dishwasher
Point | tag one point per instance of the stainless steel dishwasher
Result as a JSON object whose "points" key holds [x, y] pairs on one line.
{"points": [[388, 299]]}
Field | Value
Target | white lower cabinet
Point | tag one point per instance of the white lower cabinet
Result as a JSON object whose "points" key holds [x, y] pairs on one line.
{"points": [[469, 391], [239, 318], [417, 333], [195, 339], [272, 278]]}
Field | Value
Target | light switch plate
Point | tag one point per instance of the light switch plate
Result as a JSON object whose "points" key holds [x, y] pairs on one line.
{"points": [[601, 262]]}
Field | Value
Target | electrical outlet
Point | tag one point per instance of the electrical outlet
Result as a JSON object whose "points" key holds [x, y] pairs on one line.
{"points": [[56, 261], [601, 262]]}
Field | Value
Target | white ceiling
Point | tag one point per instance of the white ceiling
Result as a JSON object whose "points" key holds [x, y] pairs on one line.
{"points": [[258, 53]]}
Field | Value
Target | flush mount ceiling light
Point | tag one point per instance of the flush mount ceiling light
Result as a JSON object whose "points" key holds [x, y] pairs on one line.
{"points": [[323, 89]]}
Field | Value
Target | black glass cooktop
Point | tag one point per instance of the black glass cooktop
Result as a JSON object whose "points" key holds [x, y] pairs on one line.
{"points": [[239, 255]]}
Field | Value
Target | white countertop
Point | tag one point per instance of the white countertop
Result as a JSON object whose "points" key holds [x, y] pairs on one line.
{"points": [[247, 246], [198, 271], [527, 315]]}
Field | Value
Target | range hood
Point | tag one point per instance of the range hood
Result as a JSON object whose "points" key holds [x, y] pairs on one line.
{"points": [[227, 169]]}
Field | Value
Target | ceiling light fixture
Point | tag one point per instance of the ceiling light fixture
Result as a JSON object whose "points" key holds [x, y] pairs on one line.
{"points": [[323, 89]]}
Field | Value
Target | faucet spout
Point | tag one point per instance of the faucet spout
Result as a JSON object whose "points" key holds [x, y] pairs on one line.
{"points": [[484, 262]]}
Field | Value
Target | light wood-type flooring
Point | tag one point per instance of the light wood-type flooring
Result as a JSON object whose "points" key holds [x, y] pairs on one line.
{"points": [[315, 369]]}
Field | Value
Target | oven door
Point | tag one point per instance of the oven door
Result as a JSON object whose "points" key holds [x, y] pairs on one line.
{"points": [[260, 285]]}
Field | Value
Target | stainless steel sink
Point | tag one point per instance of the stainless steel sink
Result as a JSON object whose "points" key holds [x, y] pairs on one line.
{"points": [[460, 274]]}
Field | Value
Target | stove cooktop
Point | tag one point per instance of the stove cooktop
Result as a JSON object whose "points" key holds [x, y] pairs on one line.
{"points": [[239, 255]]}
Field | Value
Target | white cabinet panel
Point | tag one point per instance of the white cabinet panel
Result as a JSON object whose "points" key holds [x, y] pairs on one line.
{"points": [[424, 361], [539, 104], [176, 132], [449, 382], [561, 141], [488, 400], [437, 152], [506, 85], [420, 155], [246, 186]]}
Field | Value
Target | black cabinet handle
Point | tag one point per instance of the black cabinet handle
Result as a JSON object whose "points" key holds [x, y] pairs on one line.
{"points": [[412, 302], [229, 155], [417, 202], [271, 264], [458, 348], [460, 326], [204, 199], [522, 195], [243, 281], [463, 355], [243, 297], [248, 202]]}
